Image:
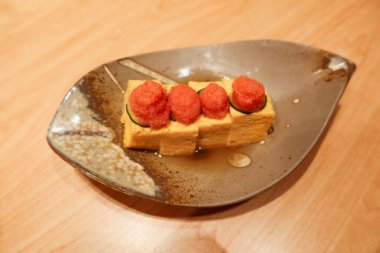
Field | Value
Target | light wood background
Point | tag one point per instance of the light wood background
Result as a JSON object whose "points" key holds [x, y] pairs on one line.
{"points": [[331, 203]]}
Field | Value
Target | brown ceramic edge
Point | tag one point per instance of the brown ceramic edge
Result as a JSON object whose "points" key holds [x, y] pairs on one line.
{"points": [[328, 53]]}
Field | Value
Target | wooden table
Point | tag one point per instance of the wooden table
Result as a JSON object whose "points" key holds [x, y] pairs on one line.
{"points": [[330, 203]]}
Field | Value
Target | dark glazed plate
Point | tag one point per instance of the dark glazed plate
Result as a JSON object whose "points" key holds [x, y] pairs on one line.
{"points": [[305, 85]]}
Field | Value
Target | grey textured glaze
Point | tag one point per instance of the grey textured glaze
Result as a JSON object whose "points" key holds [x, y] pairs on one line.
{"points": [[305, 85]]}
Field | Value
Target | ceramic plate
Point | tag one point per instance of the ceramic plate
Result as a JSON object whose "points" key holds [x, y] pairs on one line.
{"points": [[305, 85]]}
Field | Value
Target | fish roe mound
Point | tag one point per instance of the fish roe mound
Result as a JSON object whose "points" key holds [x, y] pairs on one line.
{"points": [[214, 101], [248, 94], [149, 103], [185, 105], [161, 119]]}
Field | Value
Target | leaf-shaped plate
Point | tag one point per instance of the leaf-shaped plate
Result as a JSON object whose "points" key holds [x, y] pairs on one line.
{"points": [[305, 85]]}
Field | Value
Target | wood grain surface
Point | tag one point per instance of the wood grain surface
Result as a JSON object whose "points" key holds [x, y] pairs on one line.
{"points": [[330, 203]]}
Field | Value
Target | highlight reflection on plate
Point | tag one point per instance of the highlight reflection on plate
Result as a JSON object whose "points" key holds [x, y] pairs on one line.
{"points": [[305, 85]]}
